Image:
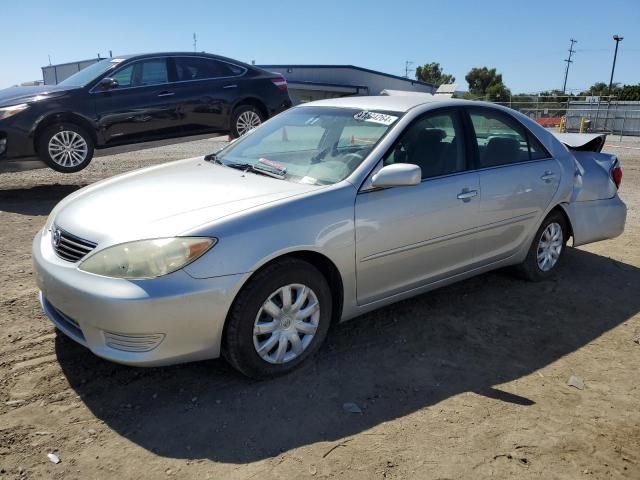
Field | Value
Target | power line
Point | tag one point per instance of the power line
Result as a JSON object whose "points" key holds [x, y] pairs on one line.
{"points": [[569, 62], [407, 66]]}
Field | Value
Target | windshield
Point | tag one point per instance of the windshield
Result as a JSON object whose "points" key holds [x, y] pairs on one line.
{"points": [[87, 75], [316, 145]]}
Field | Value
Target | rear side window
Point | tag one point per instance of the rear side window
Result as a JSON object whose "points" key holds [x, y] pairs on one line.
{"points": [[198, 68], [502, 140]]}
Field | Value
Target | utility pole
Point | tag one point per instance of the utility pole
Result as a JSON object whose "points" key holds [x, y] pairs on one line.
{"points": [[407, 66], [569, 62], [195, 42], [617, 39]]}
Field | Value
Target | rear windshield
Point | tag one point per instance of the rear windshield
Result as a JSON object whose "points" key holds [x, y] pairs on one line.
{"points": [[316, 145]]}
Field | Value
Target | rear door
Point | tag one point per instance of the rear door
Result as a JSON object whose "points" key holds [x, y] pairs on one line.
{"points": [[407, 237], [142, 105], [518, 179], [205, 88]]}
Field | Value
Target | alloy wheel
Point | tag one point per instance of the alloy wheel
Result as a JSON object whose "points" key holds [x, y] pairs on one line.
{"points": [[247, 121], [68, 148]]}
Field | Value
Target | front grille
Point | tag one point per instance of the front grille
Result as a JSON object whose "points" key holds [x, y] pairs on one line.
{"points": [[68, 246]]}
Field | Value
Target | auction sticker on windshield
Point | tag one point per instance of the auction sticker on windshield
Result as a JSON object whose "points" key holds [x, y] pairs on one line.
{"points": [[375, 117]]}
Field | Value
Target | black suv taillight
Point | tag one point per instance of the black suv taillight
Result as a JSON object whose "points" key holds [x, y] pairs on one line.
{"points": [[280, 82]]}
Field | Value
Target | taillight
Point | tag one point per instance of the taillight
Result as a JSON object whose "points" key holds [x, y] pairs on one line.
{"points": [[616, 175], [280, 82]]}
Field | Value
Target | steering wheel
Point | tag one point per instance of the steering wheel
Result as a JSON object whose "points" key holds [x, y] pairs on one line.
{"points": [[353, 157]]}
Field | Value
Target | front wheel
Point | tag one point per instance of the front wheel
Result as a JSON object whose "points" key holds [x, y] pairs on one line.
{"points": [[546, 249], [279, 319], [244, 119], [65, 147]]}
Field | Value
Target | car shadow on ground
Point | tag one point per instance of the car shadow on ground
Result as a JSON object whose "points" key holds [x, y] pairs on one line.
{"points": [[468, 337], [38, 200]]}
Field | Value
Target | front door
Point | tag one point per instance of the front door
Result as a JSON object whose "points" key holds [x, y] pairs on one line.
{"points": [[143, 105], [407, 237]]}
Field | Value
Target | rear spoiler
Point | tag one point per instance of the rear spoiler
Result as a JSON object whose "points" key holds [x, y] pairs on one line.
{"points": [[585, 142]]}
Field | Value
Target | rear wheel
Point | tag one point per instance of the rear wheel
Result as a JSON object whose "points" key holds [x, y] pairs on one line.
{"points": [[546, 249], [244, 119], [65, 147], [279, 319]]}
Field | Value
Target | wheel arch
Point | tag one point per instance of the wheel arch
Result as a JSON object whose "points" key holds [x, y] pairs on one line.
{"points": [[326, 267], [562, 209], [61, 117], [254, 102]]}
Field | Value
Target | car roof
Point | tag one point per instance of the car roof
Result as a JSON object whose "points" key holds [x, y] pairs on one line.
{"points": [[392, 103], [139, 56]]}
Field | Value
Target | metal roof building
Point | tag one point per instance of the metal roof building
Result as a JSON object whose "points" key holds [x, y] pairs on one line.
{"points": [[316, 82]]}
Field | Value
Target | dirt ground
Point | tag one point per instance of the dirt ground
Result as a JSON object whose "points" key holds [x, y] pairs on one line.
{"points": [[470, 381]]}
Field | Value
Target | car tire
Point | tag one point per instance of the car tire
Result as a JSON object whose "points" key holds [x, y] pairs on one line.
{"points": [[546, 250], [245, 118], [251, 327], [65, 147]]}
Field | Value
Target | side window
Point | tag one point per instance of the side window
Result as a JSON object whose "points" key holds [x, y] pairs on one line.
{"points": [[151, 72], [502, 140], [198, 68], [124, 77], [434, 143]]}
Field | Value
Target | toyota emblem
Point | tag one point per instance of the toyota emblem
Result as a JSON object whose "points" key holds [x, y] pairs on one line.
{"points": [[56, 238]]}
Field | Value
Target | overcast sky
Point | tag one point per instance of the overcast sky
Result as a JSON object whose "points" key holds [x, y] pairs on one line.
{"points": [[525, 40]]}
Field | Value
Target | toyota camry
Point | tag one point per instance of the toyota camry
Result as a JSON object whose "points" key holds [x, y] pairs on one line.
{"points": [[325, 212]]}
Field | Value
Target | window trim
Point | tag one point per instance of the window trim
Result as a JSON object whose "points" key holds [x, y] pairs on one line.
{"points": [[511, 120]]}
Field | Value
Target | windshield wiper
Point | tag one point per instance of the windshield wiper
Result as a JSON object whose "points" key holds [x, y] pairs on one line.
{"points": [[213, 157]]}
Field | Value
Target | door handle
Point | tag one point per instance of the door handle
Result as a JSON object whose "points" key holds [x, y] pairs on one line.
{"points": [[467, 195], [166, 94], [548, 176], [231, 86]]}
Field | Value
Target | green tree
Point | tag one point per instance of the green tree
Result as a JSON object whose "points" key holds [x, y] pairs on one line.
{"points": [[487, 83], [432, 73]]}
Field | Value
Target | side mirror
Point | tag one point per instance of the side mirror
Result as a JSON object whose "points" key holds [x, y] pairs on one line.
{"points": [[397, 175], [107, 83]]}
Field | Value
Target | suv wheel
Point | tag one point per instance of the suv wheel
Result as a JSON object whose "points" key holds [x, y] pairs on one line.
{"points": [[279, 319], [244, 119], [65, 147]]}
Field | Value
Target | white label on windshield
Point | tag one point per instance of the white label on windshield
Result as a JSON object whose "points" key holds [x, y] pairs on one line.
{"points": [[375, 117], [117, 60]]}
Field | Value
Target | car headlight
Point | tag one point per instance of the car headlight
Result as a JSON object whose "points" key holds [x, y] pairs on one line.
{"points": [[6, 112], [147, 258]]}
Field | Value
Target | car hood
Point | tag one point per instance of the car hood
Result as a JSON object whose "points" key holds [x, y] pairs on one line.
{"points": [[167, 200], [16, 95]]}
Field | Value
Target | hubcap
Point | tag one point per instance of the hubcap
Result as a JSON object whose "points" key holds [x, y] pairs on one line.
{"points": [[550, 246], [286, 323], [68, 148], [247, 121]]}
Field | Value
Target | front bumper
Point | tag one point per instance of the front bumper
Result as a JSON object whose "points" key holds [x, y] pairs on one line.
{"points": [[16, 148], [167, 320]]}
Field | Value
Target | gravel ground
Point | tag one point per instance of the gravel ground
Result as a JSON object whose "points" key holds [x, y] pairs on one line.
{"points": [[469, 381]]}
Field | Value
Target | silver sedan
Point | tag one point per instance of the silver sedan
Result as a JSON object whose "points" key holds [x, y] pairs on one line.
{"points": [[327, 211]]}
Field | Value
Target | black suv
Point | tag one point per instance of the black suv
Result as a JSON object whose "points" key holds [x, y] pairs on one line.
{"points": [[135, 98]]}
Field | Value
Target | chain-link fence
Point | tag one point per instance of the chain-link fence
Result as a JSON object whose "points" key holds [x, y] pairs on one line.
{"points": [[580, 114]]}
